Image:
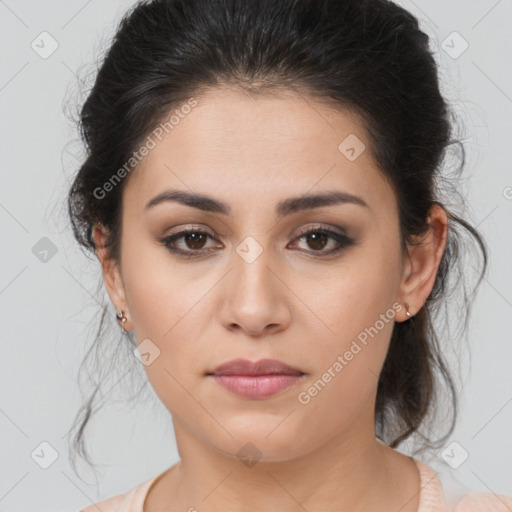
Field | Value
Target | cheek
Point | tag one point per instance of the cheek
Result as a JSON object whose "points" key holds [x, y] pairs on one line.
{"points": [[153, 286], [357, 314], [166, 323], [347, 365], [347, 302], [162, 312]]}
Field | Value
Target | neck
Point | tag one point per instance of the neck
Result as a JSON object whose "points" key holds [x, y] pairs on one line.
{"points": [[353, 472]]}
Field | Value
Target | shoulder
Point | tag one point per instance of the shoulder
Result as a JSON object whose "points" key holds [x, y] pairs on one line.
{"points": [[484, 502], [441, 492], [131, 501]]}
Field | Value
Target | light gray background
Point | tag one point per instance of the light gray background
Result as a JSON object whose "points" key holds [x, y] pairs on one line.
{"points": [[46, 308]]}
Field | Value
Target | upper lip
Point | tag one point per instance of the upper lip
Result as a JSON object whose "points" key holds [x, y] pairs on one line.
{"points": [[261, 367]]}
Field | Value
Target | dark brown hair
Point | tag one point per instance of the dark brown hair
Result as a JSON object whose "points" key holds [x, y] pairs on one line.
{"points": [[366, 56]]}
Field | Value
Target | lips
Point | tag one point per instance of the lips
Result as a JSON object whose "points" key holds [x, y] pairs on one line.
{"points": [[255, 380], [250, 368]]}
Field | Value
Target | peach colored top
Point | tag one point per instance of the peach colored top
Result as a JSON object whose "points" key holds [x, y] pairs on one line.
{"points": [[432, 497]]}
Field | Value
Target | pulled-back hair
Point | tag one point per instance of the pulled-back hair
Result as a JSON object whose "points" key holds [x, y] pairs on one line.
{"points": [[364, 56]]}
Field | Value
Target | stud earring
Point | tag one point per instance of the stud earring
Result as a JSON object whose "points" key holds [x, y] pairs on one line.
{"points": [[121, 319], [407, 310]]}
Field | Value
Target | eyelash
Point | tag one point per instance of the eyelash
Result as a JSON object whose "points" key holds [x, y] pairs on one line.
{"points": [[344, 240]]}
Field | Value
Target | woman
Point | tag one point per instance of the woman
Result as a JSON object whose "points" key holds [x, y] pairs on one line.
{"points": [[260, 190]]}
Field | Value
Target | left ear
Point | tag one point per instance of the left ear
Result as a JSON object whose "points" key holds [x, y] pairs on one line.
{"points": [[424, 257]]}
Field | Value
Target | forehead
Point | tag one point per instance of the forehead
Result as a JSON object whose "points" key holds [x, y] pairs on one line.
{"points": [[269, 146]]}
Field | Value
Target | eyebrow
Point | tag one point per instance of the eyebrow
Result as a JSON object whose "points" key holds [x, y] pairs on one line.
{"points": [[283, 208]]}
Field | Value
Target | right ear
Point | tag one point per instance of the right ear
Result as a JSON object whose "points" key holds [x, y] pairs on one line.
{"points": [[111, 272]]}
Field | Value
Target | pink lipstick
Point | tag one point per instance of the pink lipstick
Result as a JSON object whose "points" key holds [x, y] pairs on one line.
{"points": [[255, 380]]}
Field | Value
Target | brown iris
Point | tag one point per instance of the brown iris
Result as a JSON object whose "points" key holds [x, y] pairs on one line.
{"points": [[195, 240], [319, 240]]}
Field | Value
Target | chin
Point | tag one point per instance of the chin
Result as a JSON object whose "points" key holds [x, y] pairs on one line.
{"points": [[265, 438]]}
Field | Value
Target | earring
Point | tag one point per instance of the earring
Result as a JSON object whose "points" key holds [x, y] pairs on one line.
{"points": [[121, 319], [407, 310]]}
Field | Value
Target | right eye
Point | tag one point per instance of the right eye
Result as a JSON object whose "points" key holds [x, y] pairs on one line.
{"points": [[194, 240]]}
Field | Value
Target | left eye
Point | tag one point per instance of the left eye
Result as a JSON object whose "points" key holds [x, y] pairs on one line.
{"points": [[318, 239], [195, 241]]}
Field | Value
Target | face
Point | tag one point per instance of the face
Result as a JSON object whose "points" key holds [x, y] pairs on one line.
{"points": [[263, 273]]}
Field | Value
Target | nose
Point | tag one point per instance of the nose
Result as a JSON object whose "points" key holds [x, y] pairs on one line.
{"points": [[255, 298]]}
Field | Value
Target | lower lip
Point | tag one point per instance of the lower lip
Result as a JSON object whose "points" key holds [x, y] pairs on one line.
{"points": [[256, 386]]}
